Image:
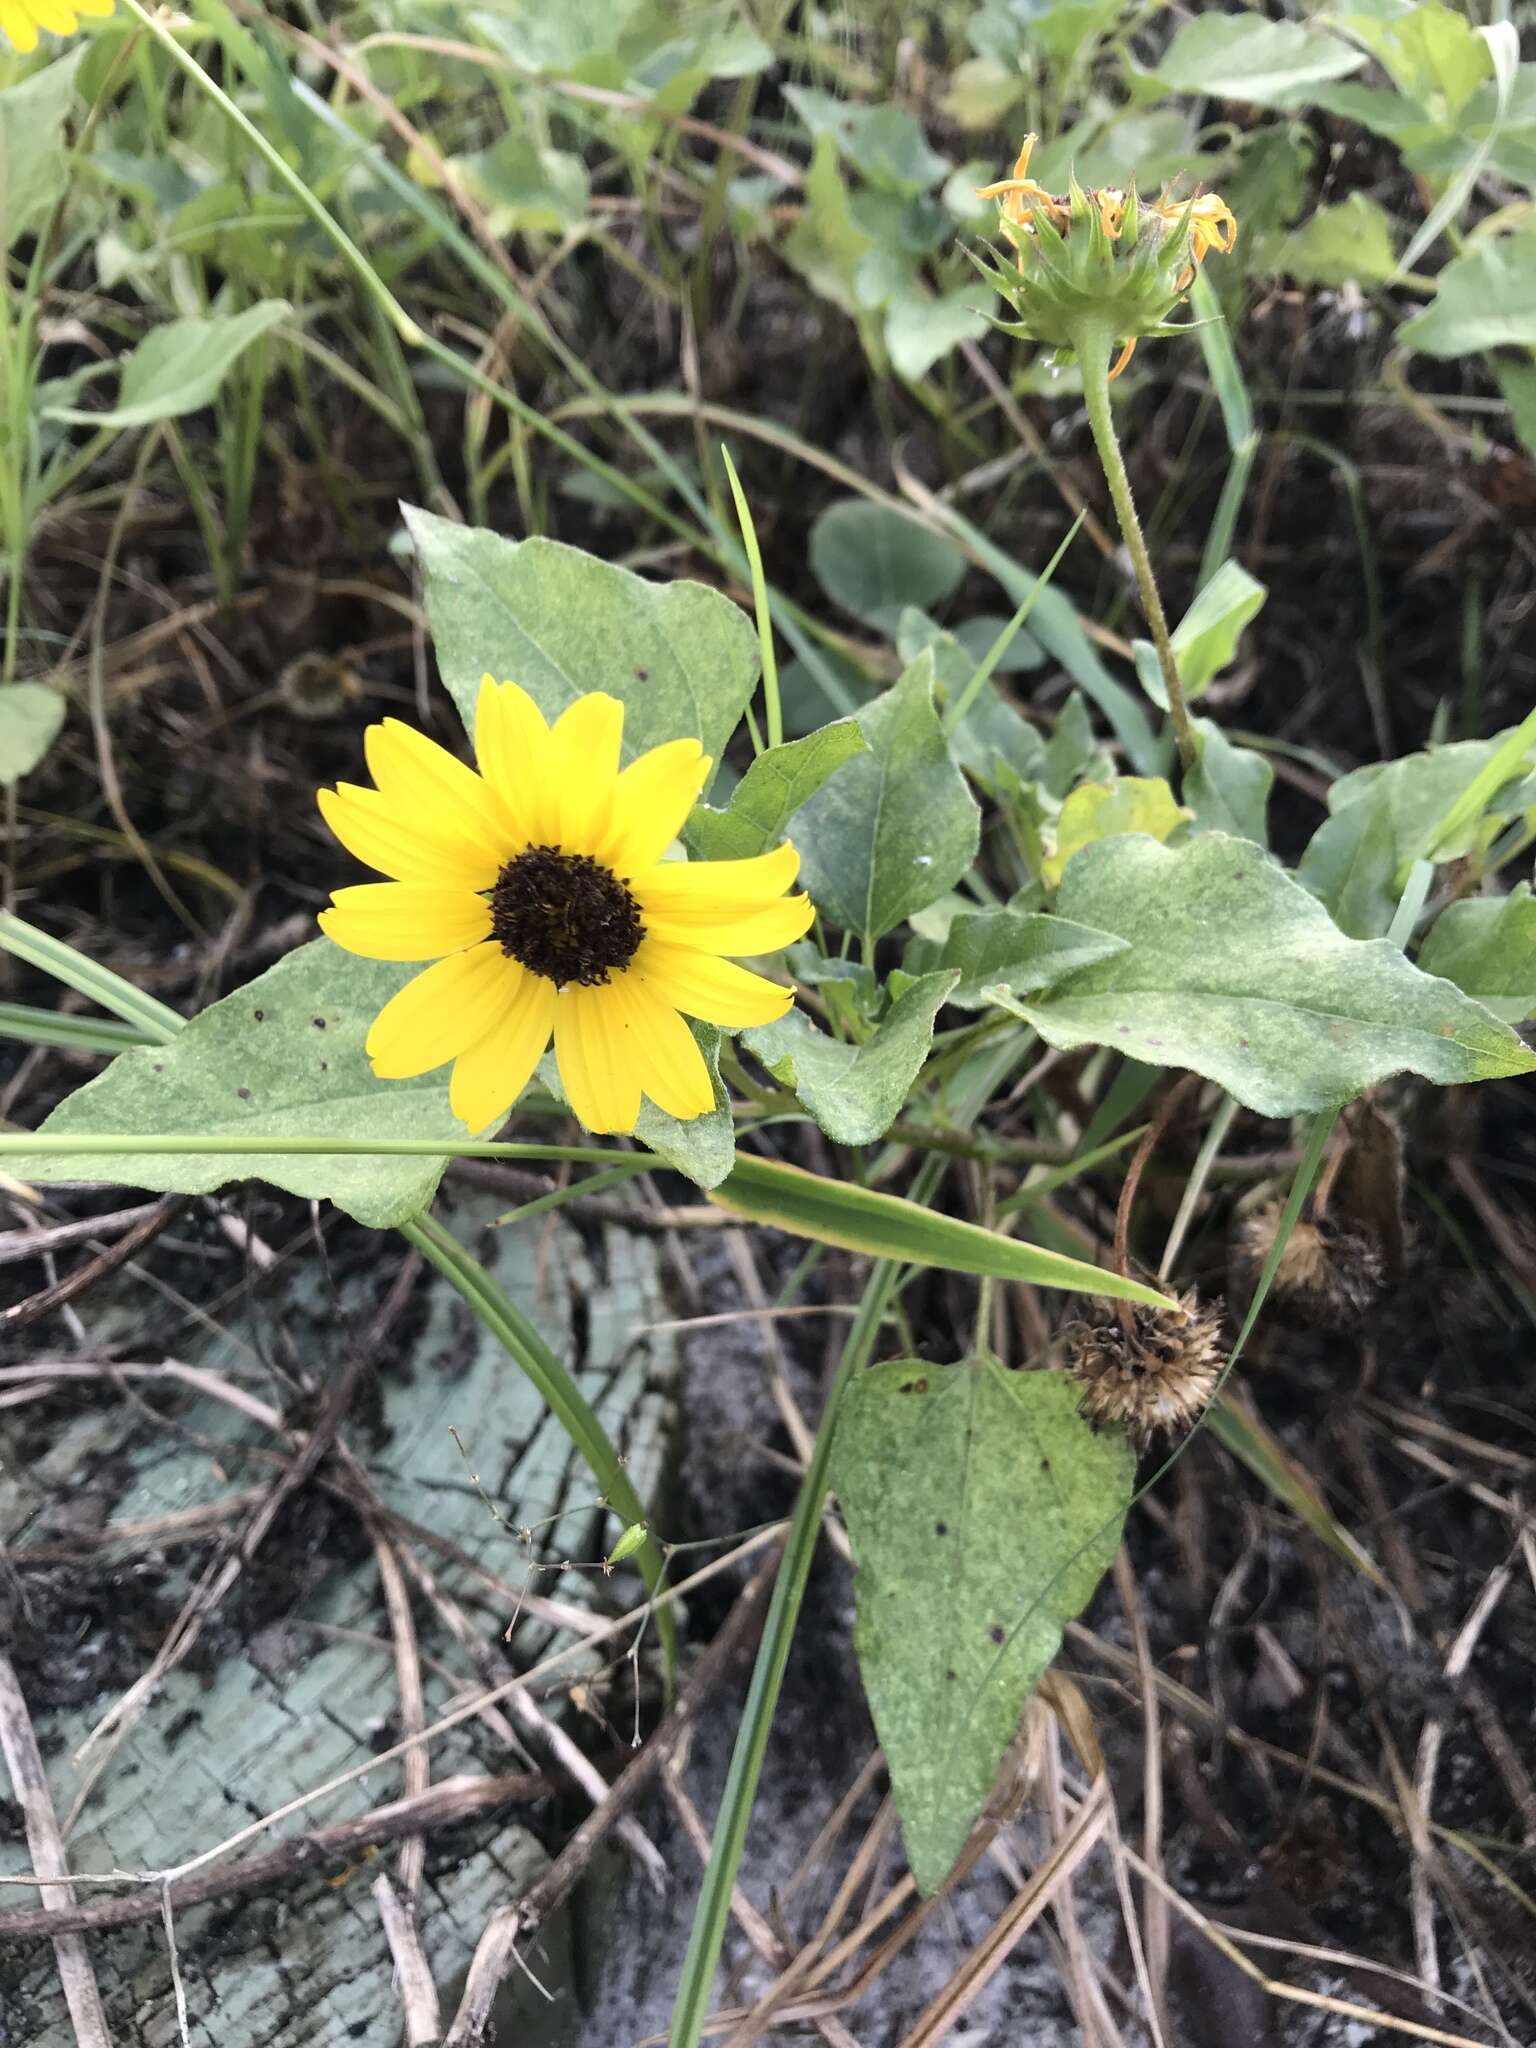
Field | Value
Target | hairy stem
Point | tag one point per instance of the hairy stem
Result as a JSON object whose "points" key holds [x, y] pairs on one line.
{"points": [[1092, 346]]}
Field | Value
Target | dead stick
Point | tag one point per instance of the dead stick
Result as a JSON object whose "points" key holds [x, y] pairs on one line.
{"points": [[30, 1783], [497, 1946], [449, 1802], [418, 1993]]}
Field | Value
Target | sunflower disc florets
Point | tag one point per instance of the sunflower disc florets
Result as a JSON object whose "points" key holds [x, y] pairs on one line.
{"points": [[1104, 258], [1155, 1371]]}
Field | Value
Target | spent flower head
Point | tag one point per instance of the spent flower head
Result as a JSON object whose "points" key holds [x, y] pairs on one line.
{"points": [[21, 20], [540, 890], [1149, 1369], [1104, 258]]}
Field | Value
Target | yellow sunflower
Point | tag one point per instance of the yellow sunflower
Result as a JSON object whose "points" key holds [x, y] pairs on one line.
{"points": [[538, 887], [21, 19]]}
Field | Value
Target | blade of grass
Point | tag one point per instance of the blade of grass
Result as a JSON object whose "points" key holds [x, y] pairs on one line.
{"points": [[79, 1034], [1215, 339], [1004, 640], [773, 711], [691, 2011], [891, 1227], [556, 1388], [157, 1022]]}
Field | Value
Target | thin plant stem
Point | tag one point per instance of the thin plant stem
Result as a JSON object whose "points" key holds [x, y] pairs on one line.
{"points": [[1092, 347]]}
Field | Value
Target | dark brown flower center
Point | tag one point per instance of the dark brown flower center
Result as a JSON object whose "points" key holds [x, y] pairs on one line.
{"points": [[565, 916]]}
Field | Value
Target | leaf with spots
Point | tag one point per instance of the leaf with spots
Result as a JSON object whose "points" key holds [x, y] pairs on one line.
{"points": [[983, 1511], [282, 1057]]}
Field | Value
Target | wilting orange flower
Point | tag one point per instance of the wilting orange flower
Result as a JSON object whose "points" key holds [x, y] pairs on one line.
{"points": [[1025, 206]]}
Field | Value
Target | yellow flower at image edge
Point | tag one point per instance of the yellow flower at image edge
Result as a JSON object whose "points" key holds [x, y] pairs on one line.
{"points": [[539, 889], [20, 20]]}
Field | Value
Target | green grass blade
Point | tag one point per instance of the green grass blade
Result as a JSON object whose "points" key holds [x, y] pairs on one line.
{"points": [[79, 1034], [712, 1911], [889, 1227], [156, 1021], [773, 712], [555, 1386], [1235, 1424]]}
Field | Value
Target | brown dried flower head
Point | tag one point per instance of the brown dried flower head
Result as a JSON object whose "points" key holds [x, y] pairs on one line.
{"points": [[1157, 1371], [1329, 1273]]}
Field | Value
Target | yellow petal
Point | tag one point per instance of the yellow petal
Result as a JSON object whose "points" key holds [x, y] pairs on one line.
{"points": [[715, 991], [711, 891], [53, 15], [403, 921], [584, 746], [745, 932], [440, 1013], [369, 827], [671, 1067], [489, 1077], [597, 1070], [18, 26], [512, 747], [425, 784], [100, 8], [651, 803]]}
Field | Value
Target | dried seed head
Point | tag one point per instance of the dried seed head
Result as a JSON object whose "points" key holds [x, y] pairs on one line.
{"points": [[1328, 1274], [1158, 1374]]}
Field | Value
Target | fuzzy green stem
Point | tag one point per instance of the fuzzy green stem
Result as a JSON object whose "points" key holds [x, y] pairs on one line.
{"points": [[1092, 345]]}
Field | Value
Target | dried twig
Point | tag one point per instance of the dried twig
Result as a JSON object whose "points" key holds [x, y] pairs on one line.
{"points": [[29, 1781], [418, 1993], [447, 1803], [116, 1254]]}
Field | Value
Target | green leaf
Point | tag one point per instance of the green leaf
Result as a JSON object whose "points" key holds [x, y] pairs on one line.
{"points": [[1228, 788], [982, 1511], [779, 781], [874, 563], [920, 330], [33, 156], [1432, 54], [826, 245], [1243, 57], [1349, 865], [887, 144], [1205, 639], [30, 717], [1487, 946], [980, 92], [1098, 810], [702, 1148], [681, 658], [886, 1227], [855, 1092], [525, 189], [1517, 386], [282, 1057], [1419, 790], [1021, 951], [1346, 244], [897, 826], [1234, 970], [178, 368], [1485, 299]]}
